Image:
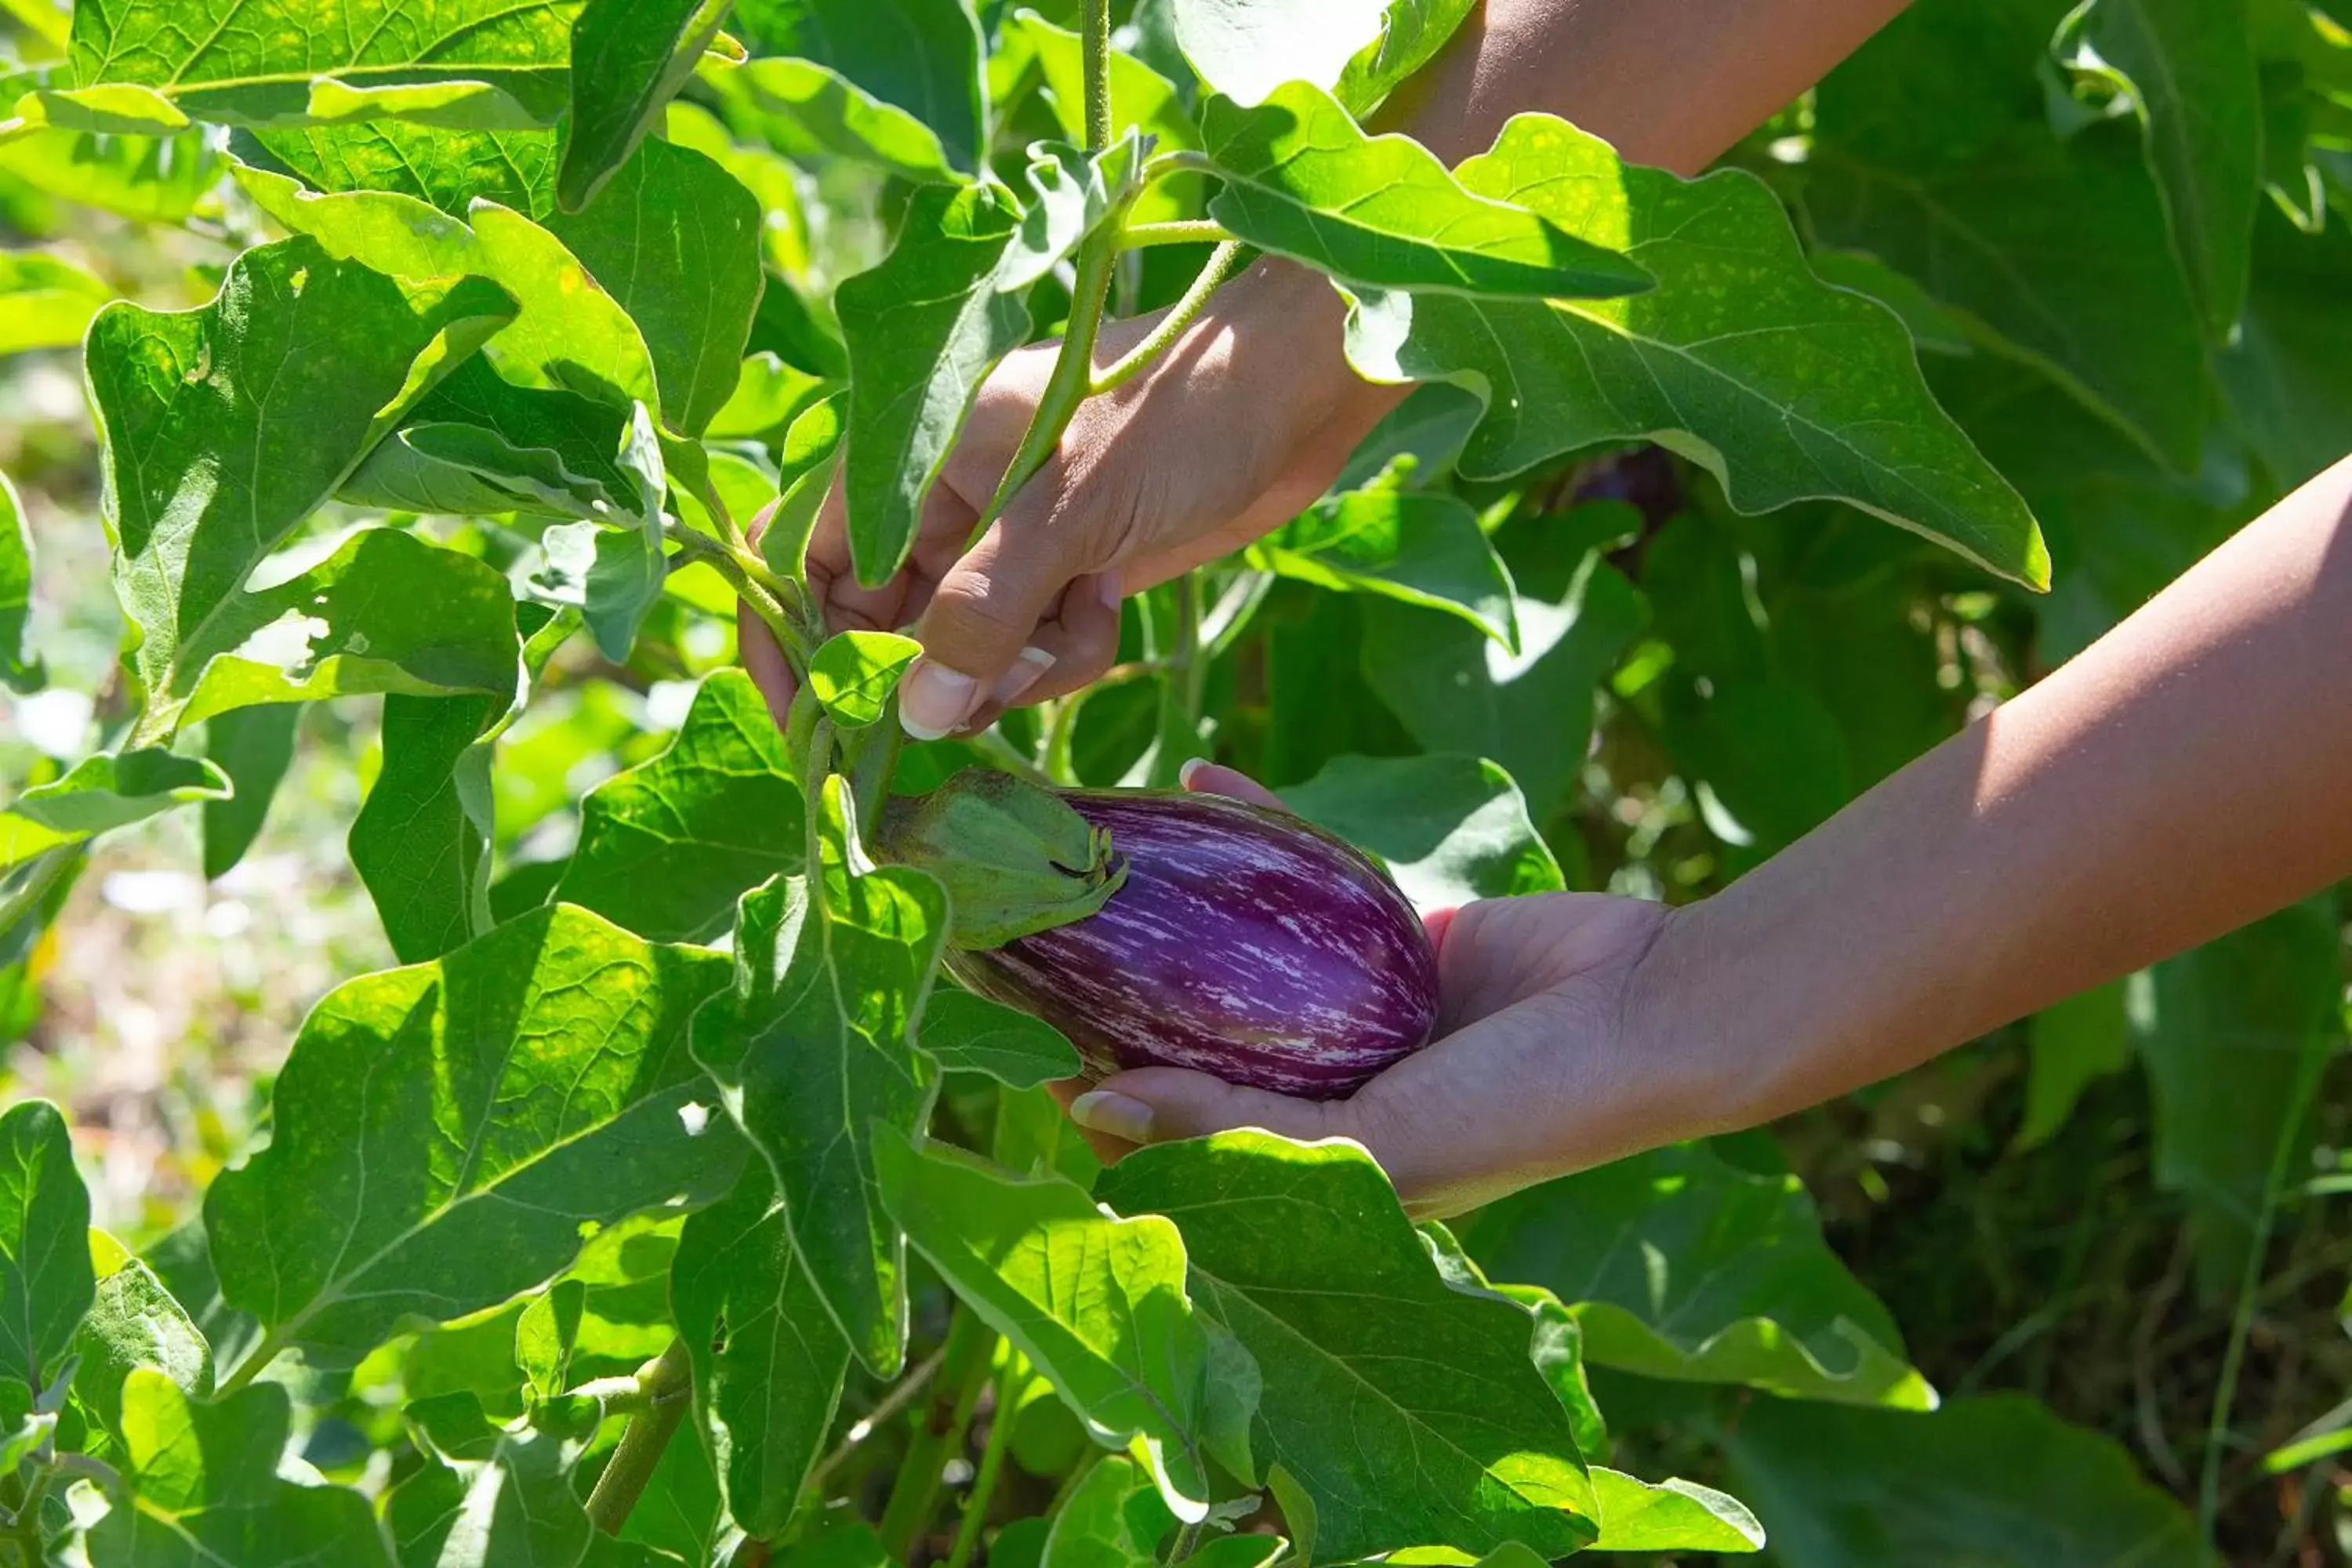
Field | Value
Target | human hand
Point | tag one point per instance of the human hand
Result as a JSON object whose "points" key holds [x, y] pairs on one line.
{"points": [[1228, 434], [1547, 1058]]}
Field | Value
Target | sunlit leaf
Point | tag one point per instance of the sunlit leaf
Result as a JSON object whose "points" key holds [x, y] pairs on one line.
{"points": [[44, 300], [627, 59], [102, 792], [964, 1033], [47, 1283], [855, 674], [132, 1322], [1417, 549], [1450, 828], [921, 58], [487, 1496]]}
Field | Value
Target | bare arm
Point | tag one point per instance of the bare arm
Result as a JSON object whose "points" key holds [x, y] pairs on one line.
{"points": [[2189, 773]]}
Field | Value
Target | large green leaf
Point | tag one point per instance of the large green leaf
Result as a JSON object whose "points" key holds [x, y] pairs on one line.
{"points": [[1670, 1516], [965, 1033], [2188, 69], [628, 58], [253, 746], [1416, 548], [442, 1133], [1741, 359], [2236, 1030], [1411, 34], [667, 846], [44, 300], [504, 447], [447, 168], [768, 1360], [1981, 1483], [922, 330], [487, 1496], [421, 842], [20, 670], [1450, 828], [1450, 1436], [273, 62], [1931, 153], [1530, 711], [205, 1489], [921, 58], [1096, 1302], [102, 792], [45, 1280], [386, 611], [815, 1052], [1303, 180], [227, 426], [675, 240], [1677, 1265], [1245, 49]]}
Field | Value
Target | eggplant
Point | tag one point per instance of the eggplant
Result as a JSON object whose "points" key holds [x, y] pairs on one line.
{"points": [[1238, 940]]}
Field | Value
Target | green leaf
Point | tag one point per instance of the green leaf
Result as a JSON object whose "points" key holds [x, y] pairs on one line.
{"points": [[148, 178], [1981, 1483], [1113, 1518], [2073, 1045], [386, 611], [44, 300], [205, 1489], [1411, 34], [253, 747], [614, 576], [1531, 713], [820, 107], [479, 444], [2287, 375], [816, 1057], [471, 63], [1096, 1302], [1140, 100], [855, 674], [133, 1322], [675, 240], [20, 670], [444, 1132], [1934, 329], [1071, 190], [46, 1283], [1303, 180], [768, 396], [227, 426], [768, 1360], [545, 1335], [488, 1496], [1677, 1265], [1671, 1515], [1424, 549], [667, 846], [920, 57], [628, 59], [964, 1033], [102, 792], [2235, 1029], [1782, 387], [1931, 153], [1246, 49], [1450, 828], [448, 169], [112, 108], [421, 842], [1450, 1436], [2187, 69], [923, 329]]}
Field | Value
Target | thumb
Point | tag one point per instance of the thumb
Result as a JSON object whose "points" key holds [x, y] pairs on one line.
{"points": [[1152, 1105], [977, 629]]}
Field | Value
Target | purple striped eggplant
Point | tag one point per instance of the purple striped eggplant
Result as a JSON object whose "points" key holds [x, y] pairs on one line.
{"points": [[1242, 942]]}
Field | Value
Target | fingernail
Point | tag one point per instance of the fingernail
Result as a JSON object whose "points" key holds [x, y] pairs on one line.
{"points": [[933, 700], [1025, 672], [1100, 1110], [1192, 765], [1106, 588]]}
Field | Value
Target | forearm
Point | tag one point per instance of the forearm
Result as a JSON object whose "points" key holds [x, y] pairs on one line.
{"points": [[2188, 774]]}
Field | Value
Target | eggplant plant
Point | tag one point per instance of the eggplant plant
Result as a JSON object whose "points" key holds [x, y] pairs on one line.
{"points": [[690, 1191]]}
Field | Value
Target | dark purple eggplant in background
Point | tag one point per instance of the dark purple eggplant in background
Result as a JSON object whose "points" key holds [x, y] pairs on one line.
{"points": [[1243, 942]]}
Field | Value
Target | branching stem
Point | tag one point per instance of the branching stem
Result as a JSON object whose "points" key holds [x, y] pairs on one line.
{"points": [[1180, 316], [668, 1383], [970, 1347], [1182, 231]]}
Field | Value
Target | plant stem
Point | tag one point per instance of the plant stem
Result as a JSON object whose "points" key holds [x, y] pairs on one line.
{"points": [[875, 759], [992, 745], [1181, 680], [1182, 231], [992, 1462], [781, 606], [971, 1346], [1094, 51], [902, 1393], [1180, 316], [1187, 1538], [260, 1356], [668, 1383]]}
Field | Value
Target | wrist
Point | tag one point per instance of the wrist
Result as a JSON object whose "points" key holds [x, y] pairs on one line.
{"points": [[1296, 313], [1677, 1023]]}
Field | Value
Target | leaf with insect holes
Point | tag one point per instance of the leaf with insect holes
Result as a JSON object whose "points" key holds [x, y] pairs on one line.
{"points": [[1741, 359], [768, 1360], [667, 847], [47, 1283], [855, 674], [227, 425], [1096, 1303], [444, 1132], [814, 1052], [1450, 1436], [1302, 179]]}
